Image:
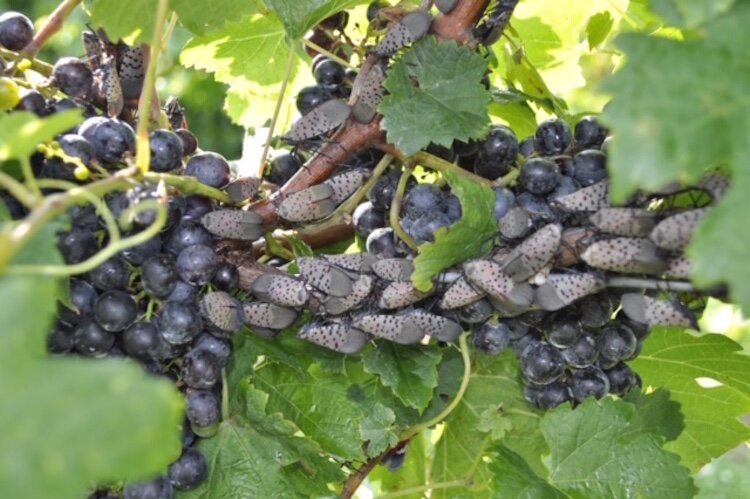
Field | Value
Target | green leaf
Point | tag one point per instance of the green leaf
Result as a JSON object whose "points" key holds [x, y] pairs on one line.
{"points": [[299, 16], [441, 84], [598, 28], [133, 21], [594, 453], [491, 421], [512, 477], [410, 371], [196, 17], [22, 131], [688, 119], [680, 362], [376, 429], [656, 413], [462, 240], [411, 474], [689, 13], [494, 385]]}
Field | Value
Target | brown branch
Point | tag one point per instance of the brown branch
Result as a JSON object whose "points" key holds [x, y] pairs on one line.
{"points": [[51, 26], [458, 24], [355, 479]]}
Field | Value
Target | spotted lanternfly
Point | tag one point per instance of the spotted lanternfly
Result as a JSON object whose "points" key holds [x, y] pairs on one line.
{"points": [[131, 70], [715, 184], [309, 204], [281, 290], [631, 255], [263, 315], [410, 28], [322, 275], [533, 253], [319, 121], [679, 268], [393, 269], [338, 336], [397, 328], [650, 311], [371, 92], [243, 188], [222, 312], [561, 290], [445, 6], [354, 262], [675, 232], [515, 223], [361, 288], [344, 184], [234, 224], [630, 222], [506, 308], [489, 277], [591, 198], [459, 294], [399, 295], [111, 88], [440, 328]]}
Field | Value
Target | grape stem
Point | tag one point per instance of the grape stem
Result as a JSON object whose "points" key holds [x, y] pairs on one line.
{"points": [[655, 284], [51, 26], [396, 209], [328, 53], [17, 190], [350, 204], [439, 164], [37, 65], [188, 185]]}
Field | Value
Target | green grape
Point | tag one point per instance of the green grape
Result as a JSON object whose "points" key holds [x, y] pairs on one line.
{"points": [[9, 96]]}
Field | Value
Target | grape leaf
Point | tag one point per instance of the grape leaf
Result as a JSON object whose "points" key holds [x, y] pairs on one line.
{"points": [[441, 84], [410, 371], [594, 453], [689, 13], [677, 360], [22, 131], [376, 429], [659, 138], [512, 477], [513, 108], [494, 384], [656, 413], [299, 16], [491, 421], [462, 240], [132, 21], [196, 17], [598, 27]]}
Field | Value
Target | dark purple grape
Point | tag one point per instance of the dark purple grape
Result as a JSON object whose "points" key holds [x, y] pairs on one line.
{"points": [[491, 338], [189, 471], [541, 363], [166, 150], [200, 369], [451, 206], [539, 176], [60, 339], [115, 310], [423, 229], [282, 168], [616, 343], [91, 339], [421, 200], [77, 245], [582, 353], [220, 347], [498, 151], [504, 201], [590, 166], [589, 132], [466, 148], [187, 435], [553, 136], [197, 264], [73, 76], [158, 488], [159, 276], [311, 97], [32, 101], [196, 207], [475, 313], [209, 168], [203, 410], [15, 208], [382, 192], [329, 72], [526, 147], [368, 218], [605, 145], [179, 322], [227, 278], [518, 345], [111, 274], [111, 138], [16, 30], [589, 382], [551, 395], [596, 311], [189, 141], [187, 234], [82, 296], [183, 292], [563, 334], [141, 340], [84, 217], [621, 378], [443, 152], [536, 206], [381, 242], [136, 255], [566, 185]]}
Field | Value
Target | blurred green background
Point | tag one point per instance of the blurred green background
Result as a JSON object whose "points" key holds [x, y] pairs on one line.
{"points": [[202, 98]]}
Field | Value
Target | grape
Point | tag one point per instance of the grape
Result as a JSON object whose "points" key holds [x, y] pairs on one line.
{"points": [[566, 185], [16, 30], [443, 152], [221, 348], [563, 334], [621, 378], [227, 277], [115, 310], [187, 435], [520, 343], [73, 76], [367, 218], [77, 245], [189, 141], [374, 7], [183, 292], [32, 101], [196, 207], [158, 275], [381, 242], [504, 201], [497, 153], [311, 97], [605, 145], [9, 95], [138, 254], [475, 313], [491, 338], [526, 147], [187, 234], [553, 136], [91, 339], [209, 168], [421, 200], [536, 206], [452, 208], [111, 138], [203, 410], [589, 382], [141, 339], [589, 132], [60, 339], [283, 167], [179, 322], [197, 264], [112, 274], [200, 369], [616, 343], [329, 72], [158, 488], [596, 311], [541, 363], [551, 395], [489, 169], [383, 191], [539, 176], [189, 471], [166, 150], [82, 296], [582, 353], [590, 166], [423, 228]]}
